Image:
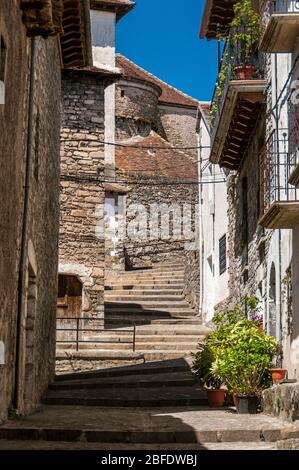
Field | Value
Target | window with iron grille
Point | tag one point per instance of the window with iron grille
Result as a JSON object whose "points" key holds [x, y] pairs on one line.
{"points": [[222, 254], [2, 59]]}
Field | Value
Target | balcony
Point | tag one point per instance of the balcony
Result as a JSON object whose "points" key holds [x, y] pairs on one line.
{"points": [[236, 105], [279, 201], [280, 25]]}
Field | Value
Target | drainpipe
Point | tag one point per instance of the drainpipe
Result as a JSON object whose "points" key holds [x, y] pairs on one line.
{"points": [[25, 214], [201, 261], [279, 230]]}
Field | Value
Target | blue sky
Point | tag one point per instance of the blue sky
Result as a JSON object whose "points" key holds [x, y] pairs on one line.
{"points": [[162, 36]]}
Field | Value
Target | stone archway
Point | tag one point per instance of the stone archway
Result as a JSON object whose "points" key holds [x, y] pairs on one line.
{"points": [[30, 335]]}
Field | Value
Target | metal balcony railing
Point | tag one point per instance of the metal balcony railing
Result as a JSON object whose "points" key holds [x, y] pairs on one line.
{"points": [[268, 7], [279, 6], [231, 59], [275, 169]]}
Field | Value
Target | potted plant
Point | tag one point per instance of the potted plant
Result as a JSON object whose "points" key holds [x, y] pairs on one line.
{"points": [[243, 363], [201, 367], [278, 373], [245, 34]]}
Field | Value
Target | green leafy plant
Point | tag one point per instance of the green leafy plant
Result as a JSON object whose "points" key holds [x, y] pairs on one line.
{"points": [[202, 365], [246, 358], [245, 30]]}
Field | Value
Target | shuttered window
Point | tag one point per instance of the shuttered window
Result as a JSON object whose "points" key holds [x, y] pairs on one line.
{"points": [[222, 254]]}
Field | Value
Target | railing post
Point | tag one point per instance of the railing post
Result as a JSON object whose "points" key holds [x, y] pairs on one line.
{"points": [[77, 335], [134, 337]]}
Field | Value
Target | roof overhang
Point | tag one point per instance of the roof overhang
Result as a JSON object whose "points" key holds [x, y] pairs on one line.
{"points": [[217, 16], [120, 7], [76, 38], [241, 106], [94, 71]]}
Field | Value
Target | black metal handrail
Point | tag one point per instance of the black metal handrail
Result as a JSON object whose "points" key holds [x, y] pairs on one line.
{"points": [[78, 329]]}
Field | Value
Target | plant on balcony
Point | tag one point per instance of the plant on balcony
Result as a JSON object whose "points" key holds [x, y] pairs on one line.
{"points": [[245, 34]]}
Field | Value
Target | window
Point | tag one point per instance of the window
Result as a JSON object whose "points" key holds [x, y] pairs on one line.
{"points": [[2, 69], [222, 254], [36, 147], [122, 93], [2, 59], [244, 212]]}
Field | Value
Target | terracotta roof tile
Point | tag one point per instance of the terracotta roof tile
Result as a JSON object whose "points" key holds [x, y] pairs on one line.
{"points": [[169, 95], [166, 162], [205, 108]]}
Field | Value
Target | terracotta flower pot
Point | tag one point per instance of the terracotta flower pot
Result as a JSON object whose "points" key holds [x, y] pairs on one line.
{"points": [[278, 374], [216, 397], [245, 72], [261, 327]]}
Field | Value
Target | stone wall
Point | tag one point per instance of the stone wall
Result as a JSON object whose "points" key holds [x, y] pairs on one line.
{"points": [[136, 108], [179, 125], [82, 243], [247, 248], [36, 334], [150, 192]]}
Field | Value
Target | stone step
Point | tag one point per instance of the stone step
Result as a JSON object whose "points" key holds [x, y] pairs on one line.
{"points": [[159, 274], [157, 269], [136, 315], [164, 354], [51, 445], [157, 346], [141, 397], [146, 338], [148, 368], [141, 298], [152, 278], [146, 303], [177, 286], [116, 322], [102, 346], [122, 346], [178, 379], [124, 427], [146, 292]]}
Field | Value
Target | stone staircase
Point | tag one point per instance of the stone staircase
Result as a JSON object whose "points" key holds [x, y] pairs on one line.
{"points": [[153, 299], [155, 405], [146, 318]]}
